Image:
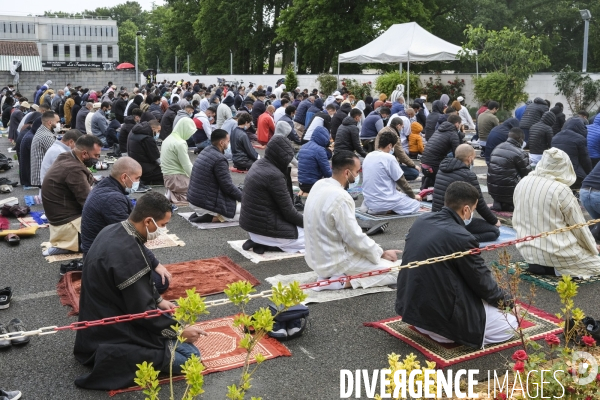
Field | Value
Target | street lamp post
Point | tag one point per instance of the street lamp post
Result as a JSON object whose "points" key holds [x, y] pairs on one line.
{"points": [[137, 72], [230, 62], [585, 16], [295, 58]]}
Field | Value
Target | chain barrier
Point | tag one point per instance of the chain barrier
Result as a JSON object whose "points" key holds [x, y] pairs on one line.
{"points": [[48, 330]]}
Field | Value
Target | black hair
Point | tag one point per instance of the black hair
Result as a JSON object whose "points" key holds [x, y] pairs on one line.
{"points": [[137, 112], [387, 138], [453, 119], [190, 106], [47, 116], [244, 118], [342, 160], [219, 134], [330, 107], [416, 105], [460, 194], [87, 142], [289, 110], [284, 102], [395, 122], [385, 110], [154, 205], [105, 104], [583, 113], [72, 134], [517, 134], [355, 112], [212, 108], [493, 104]]}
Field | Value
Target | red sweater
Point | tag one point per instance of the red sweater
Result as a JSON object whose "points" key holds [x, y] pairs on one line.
{"points": [[266, 128]]}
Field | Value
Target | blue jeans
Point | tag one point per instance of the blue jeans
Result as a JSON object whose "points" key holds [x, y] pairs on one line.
{"points": [[410, 173], [591, 201], [182, 353]]}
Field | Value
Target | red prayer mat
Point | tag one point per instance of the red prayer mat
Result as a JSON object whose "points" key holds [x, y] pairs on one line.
{"points": [[505, 214], [220, 351], [208, 276], [538, 325], [239, 171]]}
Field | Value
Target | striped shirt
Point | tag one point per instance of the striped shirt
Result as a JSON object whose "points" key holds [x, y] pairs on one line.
{"points": [[42, 141]]}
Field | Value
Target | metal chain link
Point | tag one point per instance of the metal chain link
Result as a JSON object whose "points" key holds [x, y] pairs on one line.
{"points": [[48, 330]]}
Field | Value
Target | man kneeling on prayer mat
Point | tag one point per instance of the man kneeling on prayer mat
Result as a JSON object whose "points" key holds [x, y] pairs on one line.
{"points": [[64, 191], [544, 201], [268, 213], [212, 194], [456, 300], [335, 244], [381, 173], [116, 280]]}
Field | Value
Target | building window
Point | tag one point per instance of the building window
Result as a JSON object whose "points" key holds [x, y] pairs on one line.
{"points": [[112, 32], [28, 28], [68, 30], [67, 51], [79, 31], [110, 51], [63, 30], [78, 51], [88, 51], [55, 50], [100, 31], [99, 51], [96, 30]]}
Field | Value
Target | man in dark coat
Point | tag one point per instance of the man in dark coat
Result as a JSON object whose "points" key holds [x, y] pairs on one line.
{"points": [[533, 113], [166, 123], [130, 121], [119, 107], [498, 135], [141, 146], [212, 194], [242, 152], [442, 142], [508, 165], [573, 141], [259, 107], [459, 169], [268, 213], [540, 137], [437, 109], [117, 281], [456, 300], [348, 135], [338, 118], [560, 117]]}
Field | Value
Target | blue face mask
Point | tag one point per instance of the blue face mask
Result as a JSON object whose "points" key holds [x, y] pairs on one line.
{"points": [[134, 186], [356, 183], [468, 221]]}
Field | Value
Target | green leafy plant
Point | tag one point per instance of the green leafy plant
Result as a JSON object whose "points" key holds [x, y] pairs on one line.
{"points": [[581, 91], [291, 80], [435, 88], [256, 326], [387, 82], [327, 83], [507, 90], [359, 90]]}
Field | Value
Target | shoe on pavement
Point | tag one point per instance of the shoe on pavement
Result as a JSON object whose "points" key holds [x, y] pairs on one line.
{"points": [[4, 343], [143, 189], [248, 244], [10, 395], [5, 297], [293, 327], [74, 265], [379, 228], [279, 330], [15, 325]]}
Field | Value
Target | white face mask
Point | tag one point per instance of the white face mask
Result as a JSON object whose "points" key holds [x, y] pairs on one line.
{"points": [[158, 232], [392, 150], [134, 186], [57, 129], [352, 185], [468, 221]]}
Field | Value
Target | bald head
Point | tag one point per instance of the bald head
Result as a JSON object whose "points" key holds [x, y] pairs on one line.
{"points": [[465, 153], [126, 171], [271, 109]]}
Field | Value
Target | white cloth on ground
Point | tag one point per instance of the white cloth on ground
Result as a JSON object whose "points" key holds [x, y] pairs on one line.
{"points": [[201, 211], [381, 171], [287, 245], [499, 327]]}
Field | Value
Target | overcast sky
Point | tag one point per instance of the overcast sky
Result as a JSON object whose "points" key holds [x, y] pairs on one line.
{"points": [[37, 7]]}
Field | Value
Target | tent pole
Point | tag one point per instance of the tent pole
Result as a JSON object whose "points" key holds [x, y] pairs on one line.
{"points": [[408, 80], [338, 78], [400, 68], [477, 66]]}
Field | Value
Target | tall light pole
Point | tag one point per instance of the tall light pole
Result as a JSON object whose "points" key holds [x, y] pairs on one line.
{"points": [[585, 16], [295, 58], [188, 63], [230, 62], [137, 72]]}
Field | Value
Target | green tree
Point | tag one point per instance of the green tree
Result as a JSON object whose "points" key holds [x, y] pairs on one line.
{"points": [[127, 34], [505, 89], [291, 80]]}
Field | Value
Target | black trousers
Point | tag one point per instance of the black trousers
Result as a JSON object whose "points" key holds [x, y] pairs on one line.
{"points": [[541, 270], [508, 207], [482, 230]]}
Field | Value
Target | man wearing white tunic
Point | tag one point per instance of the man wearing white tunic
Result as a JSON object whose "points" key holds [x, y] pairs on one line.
{"points": [[381, 172], [544, 202], [335, 244]]}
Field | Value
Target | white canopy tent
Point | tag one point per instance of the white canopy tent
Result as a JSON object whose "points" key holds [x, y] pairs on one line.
{"points": [[402, 43]]}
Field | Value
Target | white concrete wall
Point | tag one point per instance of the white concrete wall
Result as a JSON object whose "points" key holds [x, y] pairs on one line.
{"points": [[539, 85]]}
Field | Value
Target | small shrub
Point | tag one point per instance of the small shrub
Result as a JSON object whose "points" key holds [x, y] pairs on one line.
{"points": [[327, 83], [359, 90], [291, 80], [435, 88], [387, 83], [506, 90]]}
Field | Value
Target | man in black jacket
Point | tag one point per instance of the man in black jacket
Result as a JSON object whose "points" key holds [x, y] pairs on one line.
{"points": [[456, 300], [560, 117], [142, 147], [573, 141], [167, 121], [268, 213], [126, 128], [443, 141], [508, 164], [459, 169], [437, 109], [533, 114], [540, 137], [212, 194], [338, 118], [348, 135], [119, 107]]}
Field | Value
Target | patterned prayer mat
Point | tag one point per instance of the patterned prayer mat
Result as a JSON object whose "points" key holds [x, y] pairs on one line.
{"points": [[267, 256], [238, 171], [208, 276], [548, 282], [220, 351], [538, 325], [505, 214], [35, 219], [168, 240]]}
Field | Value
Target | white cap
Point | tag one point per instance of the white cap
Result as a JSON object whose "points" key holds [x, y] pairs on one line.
{"points": [[336, 93], [339, 97], [460, 98], [97, 105]]}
